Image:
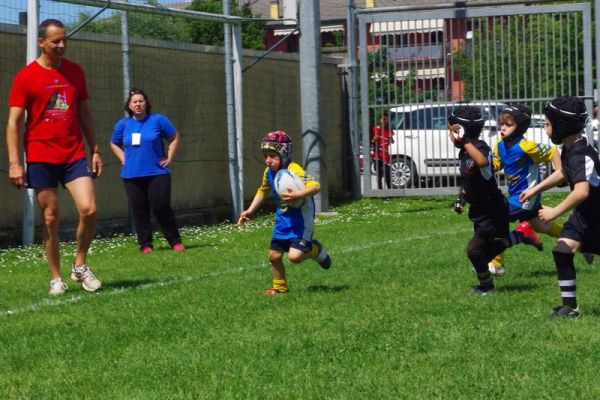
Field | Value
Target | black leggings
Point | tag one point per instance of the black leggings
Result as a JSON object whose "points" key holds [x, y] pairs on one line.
{"points": [[152, 193], [481, 251], [383, 172]]}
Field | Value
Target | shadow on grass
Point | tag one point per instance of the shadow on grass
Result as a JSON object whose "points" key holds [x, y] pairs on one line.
{"points": [[541, 273], [128, 284], [595, 311], [517, 288], [325, 288], [187, 247]]}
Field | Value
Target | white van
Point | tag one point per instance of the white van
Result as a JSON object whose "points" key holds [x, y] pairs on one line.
{"points": [[422, 149]]}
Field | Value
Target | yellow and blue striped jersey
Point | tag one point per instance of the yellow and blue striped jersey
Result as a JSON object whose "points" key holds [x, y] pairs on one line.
{"points": [[290, 222], [520, 162]]}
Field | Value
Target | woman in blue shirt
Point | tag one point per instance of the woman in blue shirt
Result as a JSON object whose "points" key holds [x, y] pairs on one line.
{"points": [[138, 142]]}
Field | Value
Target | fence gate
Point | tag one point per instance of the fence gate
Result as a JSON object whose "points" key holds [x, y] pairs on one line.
{"points": [[416, 65]]}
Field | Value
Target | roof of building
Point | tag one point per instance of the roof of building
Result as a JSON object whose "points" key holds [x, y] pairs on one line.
{"points": [[335, 9]]}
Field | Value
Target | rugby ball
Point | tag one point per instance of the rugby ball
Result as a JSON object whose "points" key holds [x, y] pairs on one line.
{"points": [[286, 179]]}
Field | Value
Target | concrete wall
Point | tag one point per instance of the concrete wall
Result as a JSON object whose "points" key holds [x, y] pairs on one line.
{"points": [[186, 83]]}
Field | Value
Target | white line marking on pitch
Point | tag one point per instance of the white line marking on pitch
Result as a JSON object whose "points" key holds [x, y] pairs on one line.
{"points": [[169, 282]]}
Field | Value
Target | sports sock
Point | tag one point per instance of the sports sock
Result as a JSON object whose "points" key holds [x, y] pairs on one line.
{"points": [[485, 279], [498, 261], [314, 251], [280, 285], [567, 282], [555, 230]]}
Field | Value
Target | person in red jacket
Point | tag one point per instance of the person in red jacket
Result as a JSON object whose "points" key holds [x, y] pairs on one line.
{"points": [[50, 95], [381, 137]]}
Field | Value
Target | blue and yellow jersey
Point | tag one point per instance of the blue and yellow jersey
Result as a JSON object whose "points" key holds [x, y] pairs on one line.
{"points": [[290, 222], [520, 162]]}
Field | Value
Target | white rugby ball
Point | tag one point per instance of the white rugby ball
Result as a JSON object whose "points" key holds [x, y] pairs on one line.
{"points": [[286, 179]]}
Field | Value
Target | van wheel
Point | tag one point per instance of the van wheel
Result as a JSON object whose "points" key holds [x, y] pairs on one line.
{"points": [[403, 172]]}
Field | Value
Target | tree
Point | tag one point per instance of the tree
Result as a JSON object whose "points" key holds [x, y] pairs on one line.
{"points": [[145, 25], [154, 26], [532, 47], [211, 33]]}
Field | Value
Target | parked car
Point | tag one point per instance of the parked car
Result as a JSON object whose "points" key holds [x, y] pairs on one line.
{"points": [[422, 148]]}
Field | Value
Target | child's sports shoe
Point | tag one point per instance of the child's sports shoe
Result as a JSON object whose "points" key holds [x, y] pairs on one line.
{"points": [[481, 290], [57, 286], [274, 292], [146, 249], [84, 275], [323, 257], [529, 235], [178, 247], [496, 270], [565, 312]]}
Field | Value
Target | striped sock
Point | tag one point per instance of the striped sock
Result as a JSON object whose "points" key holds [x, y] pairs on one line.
{"points": [[567, 282], [555, 230], [280, 285], [486, 279]]}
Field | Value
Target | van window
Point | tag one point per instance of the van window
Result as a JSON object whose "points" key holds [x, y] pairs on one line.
{"points": [[424, 118], [429, 118]]}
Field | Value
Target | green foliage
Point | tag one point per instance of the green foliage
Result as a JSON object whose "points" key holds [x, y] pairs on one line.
{"points": [[179, 29], [529, 45], [391, 319], [384, 87], [211, 33], [140, 25]]}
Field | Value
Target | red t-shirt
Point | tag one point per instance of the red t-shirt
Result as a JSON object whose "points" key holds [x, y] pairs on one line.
{"points": [[51, 98], [380, 140]]}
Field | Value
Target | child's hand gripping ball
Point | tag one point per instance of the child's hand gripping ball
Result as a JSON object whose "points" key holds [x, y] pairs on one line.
{"points": [[457, 134], [286, 181]]}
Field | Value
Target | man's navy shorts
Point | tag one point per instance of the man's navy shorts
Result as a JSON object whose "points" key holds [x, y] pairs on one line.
{"points": [[44, 175]]}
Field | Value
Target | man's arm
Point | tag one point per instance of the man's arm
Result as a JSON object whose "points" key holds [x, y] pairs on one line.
{"points": [[87, 126], [16, 172]]}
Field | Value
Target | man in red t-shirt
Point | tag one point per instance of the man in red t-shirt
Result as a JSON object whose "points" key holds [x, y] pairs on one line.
{"points": [[52, 93], [381, 138]]}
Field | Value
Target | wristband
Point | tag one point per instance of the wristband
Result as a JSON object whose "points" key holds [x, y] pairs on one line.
{"points": [[13, 165]]}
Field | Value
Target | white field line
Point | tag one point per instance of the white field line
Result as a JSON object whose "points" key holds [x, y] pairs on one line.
{"points": [[50, 302]]}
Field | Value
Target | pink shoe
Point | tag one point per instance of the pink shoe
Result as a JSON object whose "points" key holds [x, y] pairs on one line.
{"points": [[147, 249], [178, 247], [529, 235]]}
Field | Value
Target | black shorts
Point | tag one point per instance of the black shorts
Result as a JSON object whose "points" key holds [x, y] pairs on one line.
{"points": [[285, 244], [584, 230], [521, 214], [491, 221]]}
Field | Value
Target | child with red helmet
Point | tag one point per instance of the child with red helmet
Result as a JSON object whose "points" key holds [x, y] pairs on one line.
{"points": [[293, 230]]}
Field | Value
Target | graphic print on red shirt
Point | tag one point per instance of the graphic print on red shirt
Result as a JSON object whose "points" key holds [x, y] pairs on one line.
{"points": [[51, 98]]}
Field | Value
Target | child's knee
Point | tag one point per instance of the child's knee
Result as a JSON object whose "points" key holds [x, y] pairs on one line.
{"points": [[566, 246], [275, 256], [296, 256]]}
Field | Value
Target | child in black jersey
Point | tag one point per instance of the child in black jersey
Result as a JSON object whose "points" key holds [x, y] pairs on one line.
{"points": [[488, 208], [566, 118]]}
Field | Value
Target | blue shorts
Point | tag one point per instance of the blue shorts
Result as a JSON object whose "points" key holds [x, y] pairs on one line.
{"points": [[285, 244], [521, 214], [44, 175]]}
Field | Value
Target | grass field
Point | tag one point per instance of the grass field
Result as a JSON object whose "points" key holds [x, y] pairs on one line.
{"points": [[390, 320]]}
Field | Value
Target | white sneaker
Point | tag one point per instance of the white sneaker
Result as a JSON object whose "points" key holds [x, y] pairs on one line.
{"points": [[57, 286], [496, 270], [84, 275]]}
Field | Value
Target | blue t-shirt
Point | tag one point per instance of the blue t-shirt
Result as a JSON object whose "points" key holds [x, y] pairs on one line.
{"points": [[143, 159]]}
